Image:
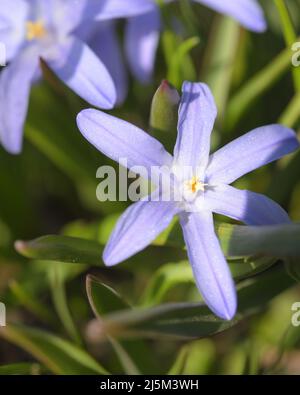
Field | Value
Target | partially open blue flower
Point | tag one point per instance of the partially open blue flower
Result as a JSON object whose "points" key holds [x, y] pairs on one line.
{"points": [[48, 29], [204, 188]]}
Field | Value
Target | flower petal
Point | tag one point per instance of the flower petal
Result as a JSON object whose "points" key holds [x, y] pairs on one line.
{"points": [[246, 206], [141, 41], [209, 266], [248, 12], [15, 84], [105, 44], [124, 9], [119, 139], [197, 114], [250, 151], [13, 15], [138, 226], [79, 67]]}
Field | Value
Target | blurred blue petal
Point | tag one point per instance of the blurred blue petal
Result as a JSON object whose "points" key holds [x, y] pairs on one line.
{"points": [[79, 67], [138, 226], [209, 266], [105, 44], [124, 9], [12, 18], [197, 113], [250, 151], [118, 139], [248, 12], [141, 41], [15, 84], [246, 206]]}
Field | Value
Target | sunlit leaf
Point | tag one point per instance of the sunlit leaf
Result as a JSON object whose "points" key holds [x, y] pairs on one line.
{"points": [[59, 355], [194, 320]]}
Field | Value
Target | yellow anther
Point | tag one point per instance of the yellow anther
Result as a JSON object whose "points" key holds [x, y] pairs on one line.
{"points": [[195, 185], [35, 30]]}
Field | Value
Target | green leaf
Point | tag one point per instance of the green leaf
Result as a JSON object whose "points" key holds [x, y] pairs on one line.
{"points": [[255, 87], [278, 241], [30, 302], [25, 368], [62, 249], [82, 251], [291, 113], [293, 268], [194, 358], [59, 355], [48, 129], [289, 35], [173, 274], [59, 298], [220, 58], [194, 320], [103, 300], [178, 58]]}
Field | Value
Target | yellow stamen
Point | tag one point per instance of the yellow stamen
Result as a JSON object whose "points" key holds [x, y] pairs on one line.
{"points": [[35, 30], [195, 185]]}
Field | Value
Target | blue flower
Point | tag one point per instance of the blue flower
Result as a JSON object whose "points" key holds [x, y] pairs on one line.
{"points": [[49, 29], [202, 181]]}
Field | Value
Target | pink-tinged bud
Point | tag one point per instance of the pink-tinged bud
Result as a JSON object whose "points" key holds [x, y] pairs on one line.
{"points": [[164, 108]]}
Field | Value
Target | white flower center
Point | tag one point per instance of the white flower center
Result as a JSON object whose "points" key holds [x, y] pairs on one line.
{"points": [[192, 188]]}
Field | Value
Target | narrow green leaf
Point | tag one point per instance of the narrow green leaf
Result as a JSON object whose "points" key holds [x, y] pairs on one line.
{"points": [[278, 241], [289, 35], [25, 368], [219, 60], [255, 87], [59, 355], [82, 251], [103, 300], [59, 298], [62, 249], [178, 57], [293, 268], [194, 320], [194, 358], [30, 303], [171, 275], [291, 114]]}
